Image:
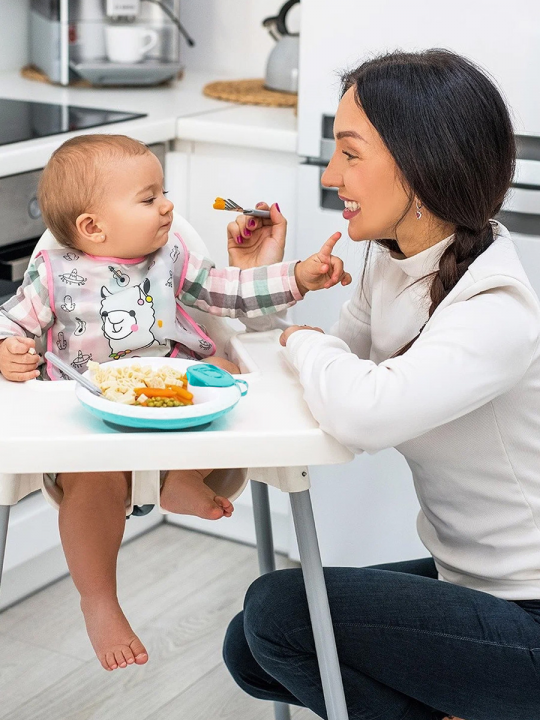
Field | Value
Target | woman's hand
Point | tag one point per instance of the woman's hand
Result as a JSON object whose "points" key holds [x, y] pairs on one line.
{"points": [[253, 242], [294, 328], [322, 270]]}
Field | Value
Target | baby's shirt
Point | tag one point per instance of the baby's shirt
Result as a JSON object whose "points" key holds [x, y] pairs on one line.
{"points": [[85, 307]]}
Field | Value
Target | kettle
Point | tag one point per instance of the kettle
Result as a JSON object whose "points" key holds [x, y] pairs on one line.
{"points": [[282, 65]]}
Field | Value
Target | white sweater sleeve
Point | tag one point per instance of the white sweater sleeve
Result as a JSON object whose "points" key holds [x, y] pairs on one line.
{"points": [[470, 352]]}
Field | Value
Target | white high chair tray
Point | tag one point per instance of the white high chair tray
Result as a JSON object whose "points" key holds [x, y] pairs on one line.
{"points": [[43, 428]]}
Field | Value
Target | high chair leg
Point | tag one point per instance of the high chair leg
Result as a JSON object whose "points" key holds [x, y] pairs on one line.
{"points": [[265, 552], [263, 527], [4, 520], [319, 609]]}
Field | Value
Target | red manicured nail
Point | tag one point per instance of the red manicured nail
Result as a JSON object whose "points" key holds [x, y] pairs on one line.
{"points": [[251, 223], [278, 208], [247, 232], [239, 239], [259, 204]]}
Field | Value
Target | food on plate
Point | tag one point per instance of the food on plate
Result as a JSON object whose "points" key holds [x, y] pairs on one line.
{"points": [[142, 385]]}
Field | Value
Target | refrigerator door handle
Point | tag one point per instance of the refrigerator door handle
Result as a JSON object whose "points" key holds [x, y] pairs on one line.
{"points": [[521, 223]]}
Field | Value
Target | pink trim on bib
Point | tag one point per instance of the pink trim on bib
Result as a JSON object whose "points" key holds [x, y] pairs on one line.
{"points": [[119, 261], [196, 327], [186, 262], [180, 286], [50, 288]]}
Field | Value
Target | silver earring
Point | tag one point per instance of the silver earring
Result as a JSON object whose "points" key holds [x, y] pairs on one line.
{"points": [[103, 237], [418, 212]]}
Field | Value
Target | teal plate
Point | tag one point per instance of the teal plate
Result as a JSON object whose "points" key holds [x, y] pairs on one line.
{"points": [[210, 402]]}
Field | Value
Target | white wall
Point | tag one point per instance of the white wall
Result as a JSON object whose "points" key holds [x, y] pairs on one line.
{"points": [[13, 34], [229, 35]]}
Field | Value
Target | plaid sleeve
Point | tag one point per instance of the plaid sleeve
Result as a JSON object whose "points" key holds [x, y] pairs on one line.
{"points": [[28, 313], [232, 292]]}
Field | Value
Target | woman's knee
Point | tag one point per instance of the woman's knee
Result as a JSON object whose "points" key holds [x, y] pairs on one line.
{"points": [[236, 653], [275, 604]]}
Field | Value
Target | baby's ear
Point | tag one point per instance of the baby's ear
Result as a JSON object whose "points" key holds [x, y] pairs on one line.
{"points": [[88, 229]]}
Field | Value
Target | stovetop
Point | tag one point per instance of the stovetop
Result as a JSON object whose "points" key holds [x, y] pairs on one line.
{"points": [[21, 120]]}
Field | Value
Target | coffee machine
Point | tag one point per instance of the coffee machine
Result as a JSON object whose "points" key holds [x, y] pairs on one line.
{"points": [[98, 40]]}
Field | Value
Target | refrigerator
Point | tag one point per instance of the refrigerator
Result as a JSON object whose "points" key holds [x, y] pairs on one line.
{"points": [[366, 510]]}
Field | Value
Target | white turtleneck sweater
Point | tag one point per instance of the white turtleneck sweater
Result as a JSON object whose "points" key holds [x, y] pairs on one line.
{"points": [[462, 405]]}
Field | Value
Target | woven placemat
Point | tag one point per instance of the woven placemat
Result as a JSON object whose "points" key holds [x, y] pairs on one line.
{"points": [[249, 92], [31, 72]]}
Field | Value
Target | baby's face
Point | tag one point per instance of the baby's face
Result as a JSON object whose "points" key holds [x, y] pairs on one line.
{"points": [[134, 215]]}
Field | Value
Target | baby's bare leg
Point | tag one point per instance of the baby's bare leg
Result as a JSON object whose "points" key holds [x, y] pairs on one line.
{"points": [[184, 492], [92, 520], [223, 364]]}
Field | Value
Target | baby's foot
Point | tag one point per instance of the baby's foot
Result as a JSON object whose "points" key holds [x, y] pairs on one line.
{"points": [[112, 638], [185, 493]]}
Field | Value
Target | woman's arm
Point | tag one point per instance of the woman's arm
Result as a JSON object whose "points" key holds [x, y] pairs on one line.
{"points": [[470, 353]]}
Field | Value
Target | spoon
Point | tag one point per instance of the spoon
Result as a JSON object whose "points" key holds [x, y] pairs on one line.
{"points": [[72, 373]]}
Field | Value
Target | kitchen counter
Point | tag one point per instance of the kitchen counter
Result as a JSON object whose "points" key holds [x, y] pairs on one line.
{"points": [[176, 111]]}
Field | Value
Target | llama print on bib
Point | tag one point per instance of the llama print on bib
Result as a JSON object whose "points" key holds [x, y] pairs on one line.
{"points": [[127, 319]]}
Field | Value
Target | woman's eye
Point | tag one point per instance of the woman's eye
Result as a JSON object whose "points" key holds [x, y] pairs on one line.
{"points": [[349, 156]]}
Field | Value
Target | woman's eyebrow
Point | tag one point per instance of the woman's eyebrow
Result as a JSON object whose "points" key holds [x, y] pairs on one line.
{"points": [[349, 134]]}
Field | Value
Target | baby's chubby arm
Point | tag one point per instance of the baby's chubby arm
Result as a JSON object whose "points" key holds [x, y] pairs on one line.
{"points": [[232, 292]]}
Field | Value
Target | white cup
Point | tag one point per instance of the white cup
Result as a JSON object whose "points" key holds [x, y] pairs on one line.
{"points": [[129, 43]]}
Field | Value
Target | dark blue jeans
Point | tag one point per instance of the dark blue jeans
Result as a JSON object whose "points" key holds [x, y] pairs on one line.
{"points": [[410, 646]]}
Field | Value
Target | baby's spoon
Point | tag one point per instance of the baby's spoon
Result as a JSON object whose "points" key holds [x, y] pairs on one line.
{"points": [[72, 373]]}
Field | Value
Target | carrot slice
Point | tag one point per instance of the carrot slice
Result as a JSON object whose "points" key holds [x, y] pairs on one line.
{"points": [[155, 392], [184, 394]]}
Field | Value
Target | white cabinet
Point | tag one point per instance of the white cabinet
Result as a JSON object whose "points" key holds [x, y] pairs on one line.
{"points": [[199, 172]]}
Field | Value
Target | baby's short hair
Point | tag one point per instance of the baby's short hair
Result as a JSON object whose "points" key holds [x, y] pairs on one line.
{"points": [[70, 182]]}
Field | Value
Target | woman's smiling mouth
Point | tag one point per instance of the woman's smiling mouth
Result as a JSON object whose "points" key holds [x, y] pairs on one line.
{"points": [[352, 208]]}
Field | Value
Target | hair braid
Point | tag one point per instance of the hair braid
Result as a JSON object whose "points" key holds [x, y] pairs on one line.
{"points": [[462, 251]]}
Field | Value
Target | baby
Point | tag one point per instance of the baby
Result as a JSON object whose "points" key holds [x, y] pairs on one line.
{"points": [[118, 287]]}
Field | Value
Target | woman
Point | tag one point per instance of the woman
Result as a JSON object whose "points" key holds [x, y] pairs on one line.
{"points": [[437, 355]]}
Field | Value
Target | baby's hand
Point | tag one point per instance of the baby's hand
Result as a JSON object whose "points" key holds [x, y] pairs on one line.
{"points": [[322, 270], [18, 359]]}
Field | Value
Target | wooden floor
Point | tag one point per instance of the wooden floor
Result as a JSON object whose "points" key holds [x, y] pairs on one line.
{"points": [[179, 589]]}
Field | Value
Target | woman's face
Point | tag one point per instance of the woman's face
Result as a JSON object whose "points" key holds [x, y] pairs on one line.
{"points": [[366, 176]]}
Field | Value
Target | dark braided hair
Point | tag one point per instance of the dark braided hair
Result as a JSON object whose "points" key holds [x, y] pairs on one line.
{"points": [[449, 131]]}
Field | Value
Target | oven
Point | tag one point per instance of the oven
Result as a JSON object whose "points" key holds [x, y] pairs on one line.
{"points": [[20, 228]]}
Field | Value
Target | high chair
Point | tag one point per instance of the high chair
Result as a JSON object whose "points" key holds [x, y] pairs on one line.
{"points": [[271, 431]]}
